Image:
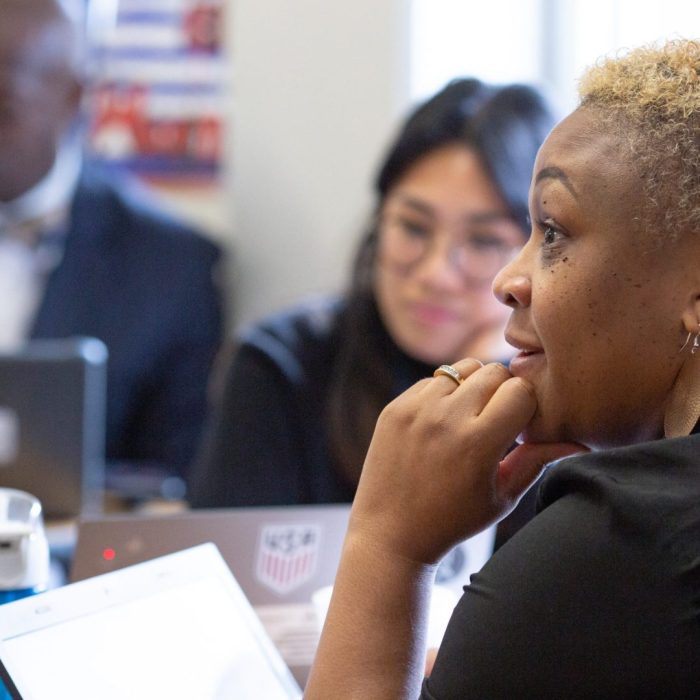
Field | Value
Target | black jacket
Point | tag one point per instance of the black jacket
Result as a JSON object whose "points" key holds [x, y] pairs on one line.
{"points": [[143, 284]]}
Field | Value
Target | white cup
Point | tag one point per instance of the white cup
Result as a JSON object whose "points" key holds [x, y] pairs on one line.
{"points": [[442, 603]]}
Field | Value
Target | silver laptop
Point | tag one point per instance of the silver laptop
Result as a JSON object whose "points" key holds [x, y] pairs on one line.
{"points": [[176, 627], [52, 423], [279, 555]]}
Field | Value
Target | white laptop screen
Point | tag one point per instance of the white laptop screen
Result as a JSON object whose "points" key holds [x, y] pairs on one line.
{"points": [[180, 634]]}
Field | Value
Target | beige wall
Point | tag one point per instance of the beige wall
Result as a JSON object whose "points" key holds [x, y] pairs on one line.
{"points": [[317, 87]]}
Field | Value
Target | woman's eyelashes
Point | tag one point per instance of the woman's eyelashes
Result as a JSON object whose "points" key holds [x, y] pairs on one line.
{"points": [[549, 235], [414, 229], [552, 238]]}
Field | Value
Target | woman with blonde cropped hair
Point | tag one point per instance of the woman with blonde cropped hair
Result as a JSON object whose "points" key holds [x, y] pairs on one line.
{"points": [[599, 595]]}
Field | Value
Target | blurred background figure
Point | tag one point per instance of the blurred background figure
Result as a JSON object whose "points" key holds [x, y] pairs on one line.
{"points": [[305, 386], [85, 253]]}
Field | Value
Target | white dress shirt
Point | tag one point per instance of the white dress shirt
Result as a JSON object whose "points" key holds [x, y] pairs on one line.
{"points": [[26, 260]]}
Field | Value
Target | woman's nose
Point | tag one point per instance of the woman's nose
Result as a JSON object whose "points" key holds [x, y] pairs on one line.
{"points": [[512, 286], [438, 265]]}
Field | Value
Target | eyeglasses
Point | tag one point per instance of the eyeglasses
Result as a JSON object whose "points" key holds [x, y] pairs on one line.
{"points": [[478, 251]]}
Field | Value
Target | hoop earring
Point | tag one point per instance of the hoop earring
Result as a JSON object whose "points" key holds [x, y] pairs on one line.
{"points": [[696, 343], [683, 409]]}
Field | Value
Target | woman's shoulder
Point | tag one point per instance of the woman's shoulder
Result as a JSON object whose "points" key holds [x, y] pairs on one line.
{"points": [[296, 338], [311, 320], [640, 469], [603, 579], [650, 489]]}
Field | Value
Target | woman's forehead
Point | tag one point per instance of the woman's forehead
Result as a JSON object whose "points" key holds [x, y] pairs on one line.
{"points": [[590, 157]]}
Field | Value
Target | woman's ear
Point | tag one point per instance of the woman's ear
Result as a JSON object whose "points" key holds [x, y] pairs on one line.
{"points": [[683, 408]]}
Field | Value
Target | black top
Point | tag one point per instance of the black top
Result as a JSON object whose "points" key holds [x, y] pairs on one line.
{"points": [[268, 443], [598, 596]]}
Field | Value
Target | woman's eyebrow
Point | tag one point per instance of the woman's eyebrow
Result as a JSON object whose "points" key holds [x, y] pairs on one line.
{"points": [[416, 204], [487, 217], [555, 173], [478, 217]]}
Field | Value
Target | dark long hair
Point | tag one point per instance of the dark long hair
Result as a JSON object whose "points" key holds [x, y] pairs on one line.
{"points": [[504, 126]]}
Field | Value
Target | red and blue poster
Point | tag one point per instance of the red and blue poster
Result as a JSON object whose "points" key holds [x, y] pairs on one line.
{"points": [[158, 105]]}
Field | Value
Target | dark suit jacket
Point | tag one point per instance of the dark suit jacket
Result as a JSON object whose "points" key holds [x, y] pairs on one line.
{"points": [[144, 284]]}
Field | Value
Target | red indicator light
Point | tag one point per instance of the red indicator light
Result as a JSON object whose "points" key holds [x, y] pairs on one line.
{"points": [[108, 554]]}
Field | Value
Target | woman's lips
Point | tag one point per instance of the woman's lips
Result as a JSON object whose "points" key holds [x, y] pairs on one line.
{"points": [[431, 314], [525, 362]]}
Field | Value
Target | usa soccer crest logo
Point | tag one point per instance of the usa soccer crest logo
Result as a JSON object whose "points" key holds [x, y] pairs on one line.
{"points": [[287, 556]]}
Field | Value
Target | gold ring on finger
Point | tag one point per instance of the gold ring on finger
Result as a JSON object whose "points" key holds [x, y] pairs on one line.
{"points": [[448, 371]]}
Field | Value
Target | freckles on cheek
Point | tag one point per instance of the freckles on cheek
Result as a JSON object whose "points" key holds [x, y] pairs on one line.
{"points": [[569, 311], [609, 309]]}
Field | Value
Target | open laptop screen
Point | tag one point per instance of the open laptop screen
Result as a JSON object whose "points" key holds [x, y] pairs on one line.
{"points": [[52, 423], [279, 555], [176, 627]]}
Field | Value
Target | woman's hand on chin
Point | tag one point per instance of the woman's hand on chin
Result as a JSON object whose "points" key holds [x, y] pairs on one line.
{"points": [[435, 471]]}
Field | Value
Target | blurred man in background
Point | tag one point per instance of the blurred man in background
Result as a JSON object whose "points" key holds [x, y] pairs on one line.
{"points": [[82, 253]]}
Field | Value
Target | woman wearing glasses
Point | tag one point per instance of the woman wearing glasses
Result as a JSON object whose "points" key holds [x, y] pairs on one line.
{"points": [[305, 387]]}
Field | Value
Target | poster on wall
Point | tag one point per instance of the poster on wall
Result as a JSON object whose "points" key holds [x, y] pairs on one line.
{"points": [[158, 103]]}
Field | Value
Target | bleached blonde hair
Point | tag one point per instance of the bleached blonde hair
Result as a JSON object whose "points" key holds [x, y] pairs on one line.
{"points": [[650, 98]]}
